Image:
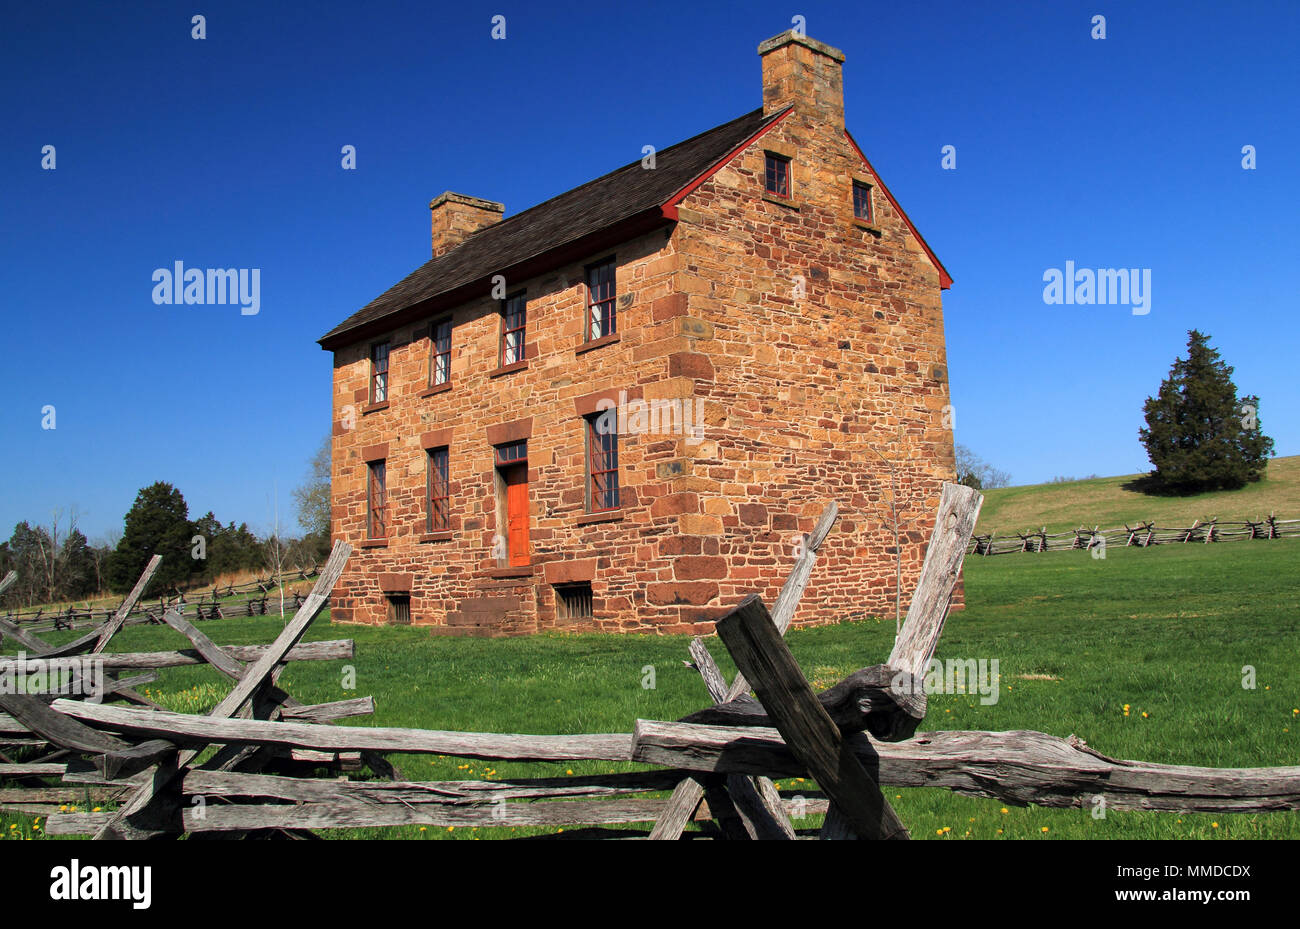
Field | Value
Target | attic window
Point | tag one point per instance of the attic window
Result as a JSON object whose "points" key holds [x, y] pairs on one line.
{"points": [[379, 372], [514, 320], [440, 353], [862, 201], [777, 175], [600, 300]]}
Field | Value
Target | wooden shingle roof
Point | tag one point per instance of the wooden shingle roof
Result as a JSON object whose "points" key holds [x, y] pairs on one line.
{"points": [[570, 219]]}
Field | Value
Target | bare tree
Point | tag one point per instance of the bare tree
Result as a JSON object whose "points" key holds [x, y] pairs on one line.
{"points": [[276, 550], [974, 471]]}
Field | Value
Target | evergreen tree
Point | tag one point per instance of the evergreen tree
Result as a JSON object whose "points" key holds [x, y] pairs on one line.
{"points": [[157, 523], [1198, 435]]}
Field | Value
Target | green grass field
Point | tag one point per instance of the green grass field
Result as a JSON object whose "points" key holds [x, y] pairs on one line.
{"points": [[1105, 501], [1165, 631]]}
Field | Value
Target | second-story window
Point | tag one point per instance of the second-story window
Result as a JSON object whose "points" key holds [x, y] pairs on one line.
{"points": [[379, 372], [438, 518], [377, 501], [600, 300], [862, 201], [776, 175], [602, 464], [440, 353], [514, 323]]}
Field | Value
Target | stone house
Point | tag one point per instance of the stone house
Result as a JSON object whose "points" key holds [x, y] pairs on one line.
{"points": [[621, 408]]}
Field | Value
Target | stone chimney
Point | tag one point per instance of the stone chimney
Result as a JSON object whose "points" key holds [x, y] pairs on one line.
{"points": [[456, 216], [805, 72]]}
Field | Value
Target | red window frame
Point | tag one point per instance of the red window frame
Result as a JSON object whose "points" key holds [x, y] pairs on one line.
{"points": [[440, 352], [602, 465], [776, 174], [514, 328], [602, 292], [377, 500], [379, 352], [438, 490], [862, 201]]}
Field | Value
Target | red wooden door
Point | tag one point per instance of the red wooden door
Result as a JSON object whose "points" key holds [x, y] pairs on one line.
{"points": [[517, 514]]}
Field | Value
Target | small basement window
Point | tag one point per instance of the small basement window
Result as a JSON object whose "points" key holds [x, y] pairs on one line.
{"points": [[399, 609], [573, 601]]}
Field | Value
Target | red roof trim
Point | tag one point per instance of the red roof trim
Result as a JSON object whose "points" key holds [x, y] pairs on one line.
{"points": [[945, 279], [670, 208]]}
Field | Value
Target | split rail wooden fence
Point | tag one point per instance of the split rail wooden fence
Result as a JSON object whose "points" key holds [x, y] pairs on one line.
{"points": [[222, 602], [718, 765], [1141, 535]]}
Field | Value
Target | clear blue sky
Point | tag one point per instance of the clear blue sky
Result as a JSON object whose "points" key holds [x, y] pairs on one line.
{"points": [[226, 153]]}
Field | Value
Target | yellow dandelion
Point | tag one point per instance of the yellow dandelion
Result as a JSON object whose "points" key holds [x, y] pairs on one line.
{"points": [[1044, 829], [451, 828], [1005, 810], [1214, 825], [938, 832], [569, 771], [424, 828]]}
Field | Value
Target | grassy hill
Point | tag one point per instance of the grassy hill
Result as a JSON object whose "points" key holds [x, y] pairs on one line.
{"points": [[1110, 502]]}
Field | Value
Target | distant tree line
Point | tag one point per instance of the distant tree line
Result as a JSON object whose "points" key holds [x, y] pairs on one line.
{"points": [[57, 563]]}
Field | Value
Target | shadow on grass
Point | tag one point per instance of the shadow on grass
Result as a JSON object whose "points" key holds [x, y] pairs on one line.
{"points": [[1151, 486]]}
